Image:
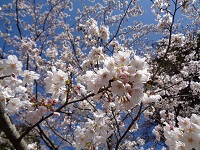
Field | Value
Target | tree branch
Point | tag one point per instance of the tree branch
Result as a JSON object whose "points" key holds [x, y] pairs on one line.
{"points": [[129, 127], [59, 109], [17, 16]]}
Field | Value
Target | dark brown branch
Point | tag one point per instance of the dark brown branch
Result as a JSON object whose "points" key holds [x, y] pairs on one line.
{"points": [[53, 130], [117, 125], [45, 21], [45, 136], [17, 23], [129, 127], [121, 22], [3, 77], [171, 28]]}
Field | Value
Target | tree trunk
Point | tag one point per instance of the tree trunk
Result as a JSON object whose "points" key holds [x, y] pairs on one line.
{"points": [[10, 131]]}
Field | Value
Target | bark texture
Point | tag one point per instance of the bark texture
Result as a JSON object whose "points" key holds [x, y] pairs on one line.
{"points": [[10, 131]]}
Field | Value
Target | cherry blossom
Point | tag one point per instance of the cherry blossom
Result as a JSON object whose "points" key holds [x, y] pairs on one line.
{"points": [[29, 76], [11, 65], [100, 74], [14, 105]]}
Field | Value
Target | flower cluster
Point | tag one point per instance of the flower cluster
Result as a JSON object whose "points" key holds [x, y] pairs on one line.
{"points": [[10, 66], [13, 91], [10, 86], [94, 30], [34, 115], [125, 76], [95, 132], [56, 83], [94, 56], [186, 136]]}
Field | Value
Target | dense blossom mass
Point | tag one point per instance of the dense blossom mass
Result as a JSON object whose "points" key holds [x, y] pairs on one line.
{"points": [[94, 75]]}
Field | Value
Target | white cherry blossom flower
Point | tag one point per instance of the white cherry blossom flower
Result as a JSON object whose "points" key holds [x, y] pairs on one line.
{"points": [[195, 119], [138, 63], [29, 76], [13, 105], [32, 146], [12, 65], [122, 58], [184, 123], [104, 76], [104, 32], [51, 52], [32, 117], [190, 140], [118, 88], [60, 77], [94, 30], [109, 63]]}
